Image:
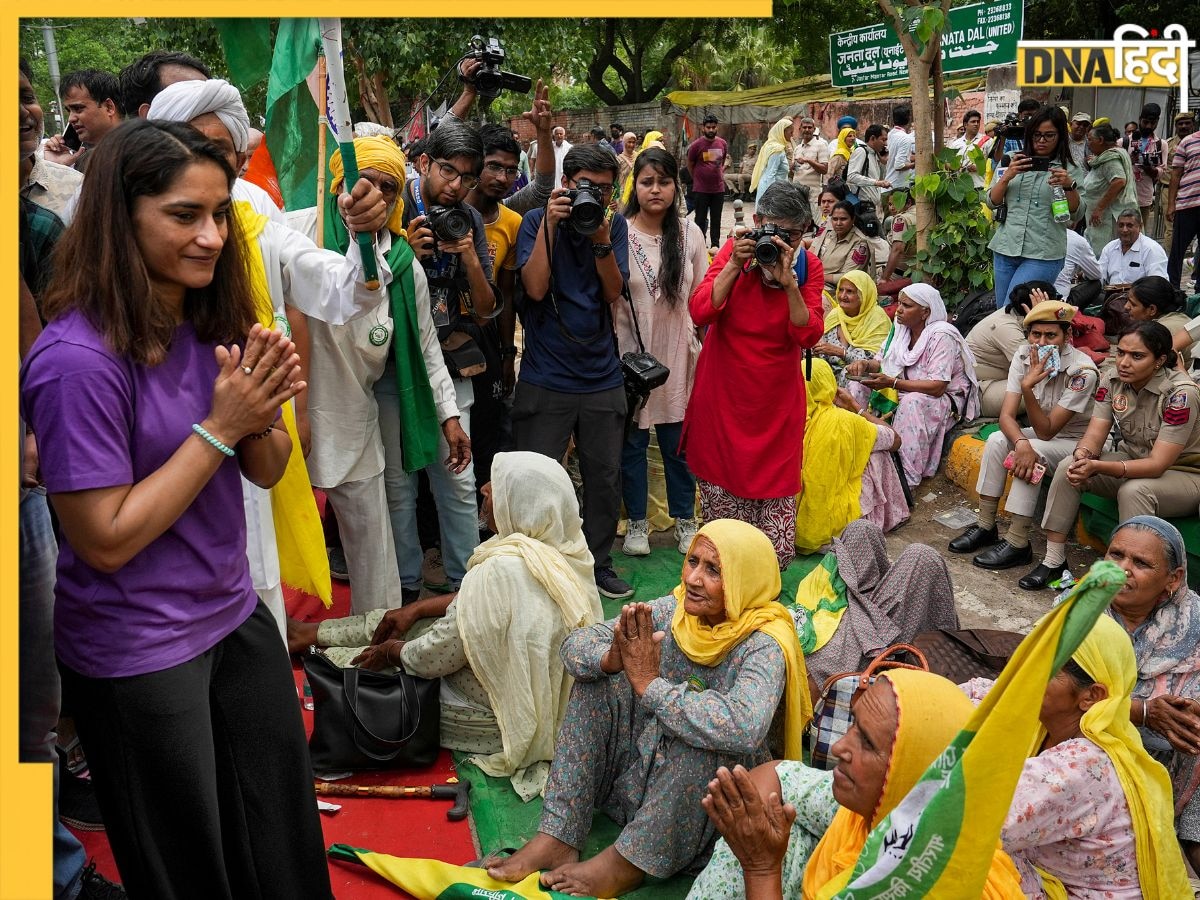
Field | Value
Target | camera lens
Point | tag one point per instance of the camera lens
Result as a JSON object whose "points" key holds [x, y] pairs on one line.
{"points": [[765, 251], [586, 213], [449, 224]]}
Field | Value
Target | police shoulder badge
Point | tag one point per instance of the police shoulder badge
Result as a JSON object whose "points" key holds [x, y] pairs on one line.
{"points": [[1177, 410], [1120, 403]]}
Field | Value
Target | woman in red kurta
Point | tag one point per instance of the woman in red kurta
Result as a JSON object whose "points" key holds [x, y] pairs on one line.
{"points": [[744, 429]]}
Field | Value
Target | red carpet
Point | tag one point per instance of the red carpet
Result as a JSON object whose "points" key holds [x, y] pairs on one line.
{"points": [[398, 827]]}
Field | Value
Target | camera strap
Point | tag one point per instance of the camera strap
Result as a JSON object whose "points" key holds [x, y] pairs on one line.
{"points": [[562, 327], [637, 331], [441, 261]]}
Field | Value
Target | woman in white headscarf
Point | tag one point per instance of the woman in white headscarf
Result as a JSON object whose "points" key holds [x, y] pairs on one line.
{"points": [[495, 644], [774, 160], [923, 378]]}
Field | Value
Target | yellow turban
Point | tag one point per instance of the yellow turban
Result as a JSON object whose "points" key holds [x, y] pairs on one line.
{"points": [[375, 152]]}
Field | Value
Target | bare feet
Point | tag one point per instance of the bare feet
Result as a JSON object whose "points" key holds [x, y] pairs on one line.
{"points": [[300, 635], [543, 852], [608, 874]]}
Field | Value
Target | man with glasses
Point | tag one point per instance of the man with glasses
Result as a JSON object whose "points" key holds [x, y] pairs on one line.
{"points": [[570, 383], [459, 272]]}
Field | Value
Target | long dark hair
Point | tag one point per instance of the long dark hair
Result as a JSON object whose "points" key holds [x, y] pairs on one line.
{"points": [[670, 271], [98, 265], [1055, 116], [1156, 291]]}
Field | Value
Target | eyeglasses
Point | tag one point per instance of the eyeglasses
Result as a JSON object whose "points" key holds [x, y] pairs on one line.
{"points": [[1044, 137], [497, 169], [451, 174]]}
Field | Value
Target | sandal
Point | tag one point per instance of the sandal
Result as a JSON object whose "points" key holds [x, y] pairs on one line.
{"points": [[73, 758]]}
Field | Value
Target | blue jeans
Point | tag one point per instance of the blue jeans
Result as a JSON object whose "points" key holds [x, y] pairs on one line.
{"points": [[40, 690], [458, 513], [1009, 271], [681, 485]]}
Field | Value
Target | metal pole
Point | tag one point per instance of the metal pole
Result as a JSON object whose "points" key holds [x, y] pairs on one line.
{"points": [[52, 59]]}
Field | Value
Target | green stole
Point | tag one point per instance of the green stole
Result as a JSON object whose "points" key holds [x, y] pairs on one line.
{"points": [[419, 425]]}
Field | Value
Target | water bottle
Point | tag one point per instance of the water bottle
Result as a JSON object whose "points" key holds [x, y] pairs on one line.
{"points": [[308, 697], [1059, 205]]}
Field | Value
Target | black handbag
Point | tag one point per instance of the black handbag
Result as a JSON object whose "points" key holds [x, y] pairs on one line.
{"points": [[369, 720]]}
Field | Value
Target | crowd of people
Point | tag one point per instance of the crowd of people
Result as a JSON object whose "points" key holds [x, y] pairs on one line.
{"points": [[195, 361]]}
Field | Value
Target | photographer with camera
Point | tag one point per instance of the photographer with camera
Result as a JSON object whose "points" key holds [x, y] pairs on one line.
{"points": [[1147, 153], [1010, 136], [447, 237], [865, 171], [574, 261], [1030, 243], [743, 432]]}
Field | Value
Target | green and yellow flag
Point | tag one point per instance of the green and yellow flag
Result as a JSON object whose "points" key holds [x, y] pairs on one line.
{"points": [[924, 847], [429, 879], [822, 601]]}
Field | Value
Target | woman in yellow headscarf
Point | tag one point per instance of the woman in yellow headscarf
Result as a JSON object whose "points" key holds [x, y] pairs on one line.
{"points": [[856, 326], [772, 164], [1092, 815], [839, 446], [901, 724], [665, 693], [846, 140], [652, 139]]}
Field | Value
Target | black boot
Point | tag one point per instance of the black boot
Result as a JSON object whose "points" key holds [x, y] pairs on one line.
{"points": [[1039, 578], [974, 538], [1004, 556]]}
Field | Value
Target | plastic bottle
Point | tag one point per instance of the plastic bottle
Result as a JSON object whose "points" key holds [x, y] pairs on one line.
{"points": [[1059, 205], [308, 697]]}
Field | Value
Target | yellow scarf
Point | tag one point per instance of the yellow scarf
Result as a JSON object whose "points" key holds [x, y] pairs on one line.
{"points": [[1107, 655], [869, 329], [775, 143], [652, 138], [837, 447], [932, 710], [750, 573], [303, 563], [843, 146], [374, 152]]}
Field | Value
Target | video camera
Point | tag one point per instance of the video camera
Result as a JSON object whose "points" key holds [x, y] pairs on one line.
{"points": [[490, 79], [1012, 128], [766, 253], [587, 207]]}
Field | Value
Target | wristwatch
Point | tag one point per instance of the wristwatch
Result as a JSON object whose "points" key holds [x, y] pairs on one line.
{"points": [[1072, 186], [508, 352], [601, 250]]}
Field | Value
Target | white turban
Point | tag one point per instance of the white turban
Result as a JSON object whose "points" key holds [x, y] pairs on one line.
{"points": [[187, 100]]}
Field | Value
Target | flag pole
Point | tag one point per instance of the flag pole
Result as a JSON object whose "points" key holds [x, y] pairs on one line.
{"points": [[322, 92], [343, 129]]}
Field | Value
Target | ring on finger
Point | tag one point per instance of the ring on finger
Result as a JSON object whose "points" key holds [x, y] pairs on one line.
{"points": [[249, 370]]}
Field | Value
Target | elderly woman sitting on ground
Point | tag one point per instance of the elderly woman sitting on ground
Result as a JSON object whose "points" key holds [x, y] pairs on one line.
{"points": [[1092, 810], [1162, 615], [664, 695], [496, 643], [901, 724]]}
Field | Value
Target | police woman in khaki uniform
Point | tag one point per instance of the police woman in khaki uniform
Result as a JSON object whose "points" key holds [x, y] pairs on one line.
{"points": [[842, 247], [1157, 470], [1059, 402]]}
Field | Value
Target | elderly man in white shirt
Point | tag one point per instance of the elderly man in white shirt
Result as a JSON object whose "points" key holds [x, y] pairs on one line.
{"points": [[1080, 260], [1132, 255]]}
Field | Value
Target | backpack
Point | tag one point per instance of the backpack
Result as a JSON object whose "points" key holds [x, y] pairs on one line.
{"points": [[974, 308]]}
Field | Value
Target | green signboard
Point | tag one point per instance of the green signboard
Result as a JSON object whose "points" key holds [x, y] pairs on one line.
{"points": [[976, 37]]}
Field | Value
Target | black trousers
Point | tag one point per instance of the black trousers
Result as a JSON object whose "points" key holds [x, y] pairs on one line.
{"points": [[202, 773], [543, 422], [1184, 227], [705, 204]]}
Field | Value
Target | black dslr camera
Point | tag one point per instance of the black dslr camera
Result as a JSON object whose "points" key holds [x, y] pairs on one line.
{"points": [[587, 207], [449, 223], [491, 79], [766, 253]]}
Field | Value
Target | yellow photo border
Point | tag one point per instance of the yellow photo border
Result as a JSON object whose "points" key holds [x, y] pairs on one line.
{"points": [[26, 860]]}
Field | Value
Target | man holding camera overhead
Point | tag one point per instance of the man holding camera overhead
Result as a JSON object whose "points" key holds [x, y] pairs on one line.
{"points": [[574, 261], [447, 237]]}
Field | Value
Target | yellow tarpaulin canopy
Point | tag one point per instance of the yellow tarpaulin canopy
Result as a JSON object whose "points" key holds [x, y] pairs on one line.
{"points": [[812, 89]]}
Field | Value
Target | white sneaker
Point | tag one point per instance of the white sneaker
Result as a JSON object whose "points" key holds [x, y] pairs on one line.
{"points": [[637, 538], [685, 530]]}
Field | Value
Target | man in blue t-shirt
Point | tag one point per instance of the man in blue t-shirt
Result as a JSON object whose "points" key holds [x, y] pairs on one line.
{"points": [[570, 381]]}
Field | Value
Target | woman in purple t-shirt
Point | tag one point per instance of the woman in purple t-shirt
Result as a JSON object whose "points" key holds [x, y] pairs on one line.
{"points": [[146, 410]]}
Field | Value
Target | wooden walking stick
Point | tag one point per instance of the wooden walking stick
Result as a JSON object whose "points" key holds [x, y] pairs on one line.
{"points": [[323, 93], [457, 792]]}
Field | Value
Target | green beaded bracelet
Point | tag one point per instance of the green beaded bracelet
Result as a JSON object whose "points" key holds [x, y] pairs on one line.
{"points": [[203, 432]]}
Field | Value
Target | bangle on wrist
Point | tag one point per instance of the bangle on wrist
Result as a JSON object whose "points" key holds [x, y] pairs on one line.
{"points": [[1144, 707], [212, 441], [262, 434], [1124, 470]]}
